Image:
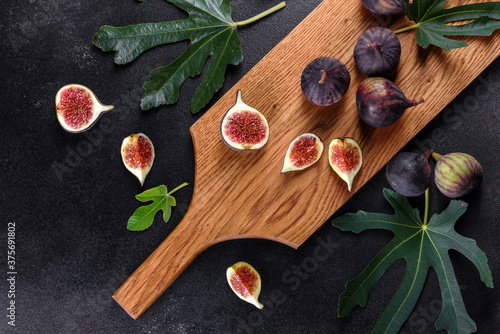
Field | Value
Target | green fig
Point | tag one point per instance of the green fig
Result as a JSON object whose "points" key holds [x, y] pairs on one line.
{"points": [[457, 174]]}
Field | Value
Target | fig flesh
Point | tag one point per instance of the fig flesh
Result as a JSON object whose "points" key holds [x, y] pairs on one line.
{"points": [[380, 102], [346, 158], [138, 154], [457, 174], [243, 127], [304, 151], [78, 108], [377, 52], [324, 81], [385, 7], [409, 173], [245, 282]]}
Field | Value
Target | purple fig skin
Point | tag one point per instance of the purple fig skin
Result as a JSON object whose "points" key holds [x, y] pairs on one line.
{"points": [[377, 52], [409, 173], [385, 7], [324, 81], [457, 174], [380, 102]]}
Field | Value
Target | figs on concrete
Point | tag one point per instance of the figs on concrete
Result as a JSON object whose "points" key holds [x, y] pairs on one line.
{"points": [[243, 127], [78, 108], [409, 173], [457, 174], [245, 282], [346, 158], [304, 151], [324, 81], [138, 154]]}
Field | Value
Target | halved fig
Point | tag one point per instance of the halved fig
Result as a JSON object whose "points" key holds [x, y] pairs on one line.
{"points": [[138, 154], [304, 151], [345, 158], [245, 282], [78, 108], [243, 127]]}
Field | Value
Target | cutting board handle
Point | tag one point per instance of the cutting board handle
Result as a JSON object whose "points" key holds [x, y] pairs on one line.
{"points": [[163, 266]]}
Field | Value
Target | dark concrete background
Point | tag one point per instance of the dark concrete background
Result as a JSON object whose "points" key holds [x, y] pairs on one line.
{"points": [[72, 246]]}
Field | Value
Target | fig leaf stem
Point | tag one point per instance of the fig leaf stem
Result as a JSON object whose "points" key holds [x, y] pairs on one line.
{"points": [[415, 26], [261, 15], [178, 187], [426, 210]]}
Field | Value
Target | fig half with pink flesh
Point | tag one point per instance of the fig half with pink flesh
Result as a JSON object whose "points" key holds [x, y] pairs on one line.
{"points": [[304, 151], [244, 128], [245, 282], [346, 159], [138, 154], [78, 108]]}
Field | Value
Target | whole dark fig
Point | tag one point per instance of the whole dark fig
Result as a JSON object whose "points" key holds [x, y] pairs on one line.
{"points": [[380, 102], [385, 7], [324, 81], [377, 52], [457, 174], [409, 173]]}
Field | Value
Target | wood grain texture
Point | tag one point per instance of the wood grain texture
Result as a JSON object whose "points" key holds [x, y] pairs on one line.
{"points": [[243, 194]]}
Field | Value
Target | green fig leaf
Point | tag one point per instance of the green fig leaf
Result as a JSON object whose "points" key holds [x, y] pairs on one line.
{"points": [[212, 34], [162, 200], [432, 20], [423, 246]]}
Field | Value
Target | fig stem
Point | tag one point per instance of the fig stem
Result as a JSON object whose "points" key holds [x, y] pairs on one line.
{"points": [[436, 156], [261, 15], [416, 102], [178, 187], [323, 76], [426, 212], [415, 26]]}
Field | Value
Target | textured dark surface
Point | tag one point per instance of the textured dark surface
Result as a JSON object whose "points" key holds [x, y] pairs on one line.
{"points": [[70, 196]]}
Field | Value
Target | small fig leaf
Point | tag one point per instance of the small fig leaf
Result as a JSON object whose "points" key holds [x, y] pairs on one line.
{"points": [[423, 246], [162, 200], [431, 21]]}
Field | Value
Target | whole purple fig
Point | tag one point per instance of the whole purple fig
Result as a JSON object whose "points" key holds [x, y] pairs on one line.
{"points": [[324, 81], [385, 7], [409, 173], [377, 52], [457, 174], [380, 102]]}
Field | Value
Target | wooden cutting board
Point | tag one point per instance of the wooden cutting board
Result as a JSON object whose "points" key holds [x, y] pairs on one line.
{"points": [[243, 195]]}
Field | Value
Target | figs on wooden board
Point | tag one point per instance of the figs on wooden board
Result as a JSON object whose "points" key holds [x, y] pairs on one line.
{"points": [[346, 158], [245, 281], [457, 174], [243, 127], [138, 154], [380, 102], [324, 81], [377, 52], [304, 151], [78, 108], [385, 7], [409, 173]]}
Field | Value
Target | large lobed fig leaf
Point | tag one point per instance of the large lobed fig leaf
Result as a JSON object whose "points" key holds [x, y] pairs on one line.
{"points": [[212, 34], [431, 20], [423, 246]]}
